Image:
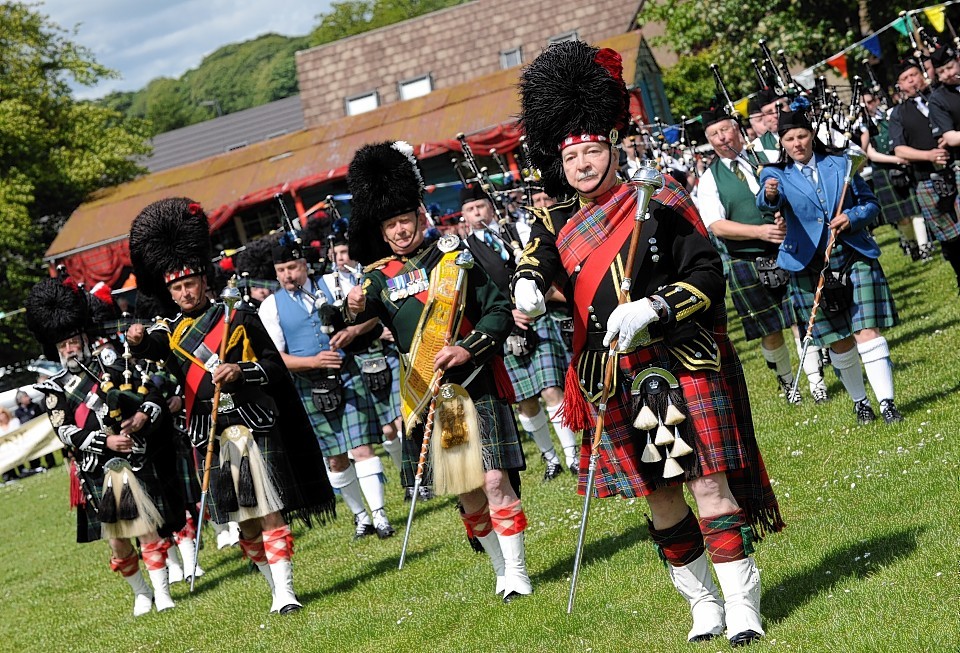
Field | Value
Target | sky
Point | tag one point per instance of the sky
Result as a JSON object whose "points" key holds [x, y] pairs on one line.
{"points": [[144, 39]]}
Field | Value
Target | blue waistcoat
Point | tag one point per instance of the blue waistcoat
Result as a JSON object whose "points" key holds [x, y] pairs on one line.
{"points": [[301, 330]]}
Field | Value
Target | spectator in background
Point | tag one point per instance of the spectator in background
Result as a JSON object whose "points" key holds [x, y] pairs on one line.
{"points": [[27, 409], [8, 423]]}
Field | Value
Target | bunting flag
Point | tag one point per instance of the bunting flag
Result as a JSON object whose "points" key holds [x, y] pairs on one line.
{"points": [[741, 106], [902, 25], [872, 44], [936, 17], [805, 78], [839, 62]]}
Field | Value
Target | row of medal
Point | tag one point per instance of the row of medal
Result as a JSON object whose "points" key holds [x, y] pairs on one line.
{"points": [[409, 284]]}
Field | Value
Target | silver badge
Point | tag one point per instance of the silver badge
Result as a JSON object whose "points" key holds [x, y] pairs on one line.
{"points": [[108, 356], [51, 401], [448, 243]]}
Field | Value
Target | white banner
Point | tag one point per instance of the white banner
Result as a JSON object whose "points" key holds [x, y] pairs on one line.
{"points": [[32, 440]]}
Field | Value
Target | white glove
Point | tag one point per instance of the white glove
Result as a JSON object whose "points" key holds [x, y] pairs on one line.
{"points": [[528, 298], [630, 321]]}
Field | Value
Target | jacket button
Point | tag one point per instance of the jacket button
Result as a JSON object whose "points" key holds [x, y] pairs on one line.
{"points": [[576, 268]]}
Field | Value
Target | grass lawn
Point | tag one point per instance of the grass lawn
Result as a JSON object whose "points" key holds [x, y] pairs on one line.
{"points": [[868, 561]]}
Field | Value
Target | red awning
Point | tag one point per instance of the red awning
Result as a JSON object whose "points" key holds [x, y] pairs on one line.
{"points": [[92, 244]]}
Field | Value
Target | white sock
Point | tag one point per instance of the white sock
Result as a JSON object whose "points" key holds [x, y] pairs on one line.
{"points": [[875, 355], [568, 439], [811, 364], [778, 360], [920, 229], [394, 449], [539, 430], [848, 369], [370, 475], [346, 482]]}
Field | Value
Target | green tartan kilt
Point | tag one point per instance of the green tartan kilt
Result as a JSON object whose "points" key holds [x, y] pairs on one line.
{"points": [[761, 311], [896, 204], [939, 213], [356, 422], [498, 437], [164, 492], [275, 458], [544, 367], [872, 305], [186, 468], [387, 401]]}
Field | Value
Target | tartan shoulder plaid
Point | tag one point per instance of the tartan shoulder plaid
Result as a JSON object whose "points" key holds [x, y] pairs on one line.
{"points": [[190, 337]]}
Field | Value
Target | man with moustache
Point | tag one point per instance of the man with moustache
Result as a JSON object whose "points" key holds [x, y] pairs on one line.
{"points": [[922, 135], [573, 104]]}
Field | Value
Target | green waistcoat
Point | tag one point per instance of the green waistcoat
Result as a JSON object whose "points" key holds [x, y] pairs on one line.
{"points": [[740, 205]]}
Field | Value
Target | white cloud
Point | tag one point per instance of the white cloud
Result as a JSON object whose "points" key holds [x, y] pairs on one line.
{"points": [[144, 39]]}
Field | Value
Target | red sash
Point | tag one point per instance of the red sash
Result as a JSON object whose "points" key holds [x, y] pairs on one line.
{"points": [[595, 267], [82, 411], [196, 373]]}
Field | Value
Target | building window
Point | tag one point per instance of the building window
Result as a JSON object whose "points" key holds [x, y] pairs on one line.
{"points": [[510, 58], [561, 38], [416, 87], [362, 103]]}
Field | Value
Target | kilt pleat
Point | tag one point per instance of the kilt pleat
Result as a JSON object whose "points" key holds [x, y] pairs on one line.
{"points": [[544, 367], [760, 311], [872, 306], [896, 204], [939, 214]]}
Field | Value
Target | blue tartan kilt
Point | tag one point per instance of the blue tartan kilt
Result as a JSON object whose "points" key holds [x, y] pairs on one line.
{"points": [[545, 366], [387, 401], [356, 422], [896, 204], [939, 213], [760, 311], [498, 437], [872, 305], [164, 492]]}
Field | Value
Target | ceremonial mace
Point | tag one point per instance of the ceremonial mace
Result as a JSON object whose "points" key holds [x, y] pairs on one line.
{"points": [[464, 261], [648, 181], [854, 158], [230, 297]]}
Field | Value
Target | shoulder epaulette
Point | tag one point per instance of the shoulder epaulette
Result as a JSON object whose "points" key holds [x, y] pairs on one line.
{"points": [[376, 265]]}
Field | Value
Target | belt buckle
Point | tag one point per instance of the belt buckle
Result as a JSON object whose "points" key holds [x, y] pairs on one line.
{"points": [[226, 402]]}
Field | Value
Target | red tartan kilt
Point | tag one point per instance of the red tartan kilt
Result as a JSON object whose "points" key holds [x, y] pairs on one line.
{"points": [[720, 418]]}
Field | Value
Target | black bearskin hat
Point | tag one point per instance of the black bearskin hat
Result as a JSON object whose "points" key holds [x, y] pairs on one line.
{"points": [[385, 182], [571, 91], [149, 307], [256, 260], [169, 240], [57, 309]]}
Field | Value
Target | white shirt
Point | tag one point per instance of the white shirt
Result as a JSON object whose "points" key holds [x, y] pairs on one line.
{"points": [[708, 195], [271, 317]]}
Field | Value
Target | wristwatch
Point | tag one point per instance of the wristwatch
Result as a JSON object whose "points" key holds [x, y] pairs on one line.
{"points": [[660, 308]]}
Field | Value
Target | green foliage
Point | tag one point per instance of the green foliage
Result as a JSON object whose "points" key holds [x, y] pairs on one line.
{"points": [[867, 563], [351, 17], [54, 150]]}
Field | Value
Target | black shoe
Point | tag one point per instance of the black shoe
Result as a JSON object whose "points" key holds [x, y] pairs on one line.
{"points": [[425, 493], [746, 637], [382, 525], [290, 609], [820, 395], [706, 637], [865, 413], [791, 395], [407, 494], [553, 471], [889, 412], [362, 530], [574, 469]]}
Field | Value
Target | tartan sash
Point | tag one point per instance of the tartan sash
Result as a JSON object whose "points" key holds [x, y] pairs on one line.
{"points": [[189, 337]]}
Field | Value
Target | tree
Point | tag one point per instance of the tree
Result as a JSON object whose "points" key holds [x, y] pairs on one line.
{"points": [[726, 32], [54, 151]]}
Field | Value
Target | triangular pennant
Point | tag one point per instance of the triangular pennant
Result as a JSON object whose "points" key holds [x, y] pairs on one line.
{"points": [[872, 44], [741, 106], [902, 25], [839, 62], [936, 17]]}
